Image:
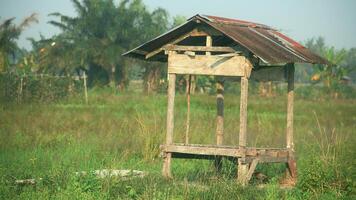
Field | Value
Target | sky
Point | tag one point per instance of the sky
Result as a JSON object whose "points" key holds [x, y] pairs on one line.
{"points": [[335, 20]]}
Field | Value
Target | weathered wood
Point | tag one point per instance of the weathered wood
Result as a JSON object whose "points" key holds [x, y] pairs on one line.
{"points": [[199, 48], [251, 169], [264, 155], [209, 43], [220, 112], [242, 165], [188, 109], [290, 105], [269, 73], [156, 51], [209, 65], [219, 120], [243, 112], [194, 32], [170, 124], [202, 150]]}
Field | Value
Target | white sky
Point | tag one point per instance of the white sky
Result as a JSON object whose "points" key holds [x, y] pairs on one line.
{"points": [[335, 20]]}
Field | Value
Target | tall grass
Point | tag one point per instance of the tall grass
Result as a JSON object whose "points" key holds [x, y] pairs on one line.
{"points": [[124, 131]]}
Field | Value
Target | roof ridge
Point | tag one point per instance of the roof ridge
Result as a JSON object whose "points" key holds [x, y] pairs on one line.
{"points": [[232, 21]]}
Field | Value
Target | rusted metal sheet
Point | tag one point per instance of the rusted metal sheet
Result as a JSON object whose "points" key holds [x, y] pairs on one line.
{"points": [[266, 43]]}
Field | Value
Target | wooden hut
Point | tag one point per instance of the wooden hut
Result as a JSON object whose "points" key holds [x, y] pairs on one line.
{"points": [[217, 46]]}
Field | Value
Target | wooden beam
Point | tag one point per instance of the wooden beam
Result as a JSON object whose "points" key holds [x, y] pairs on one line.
{"points": [[222, 150], [220, 112], [290, 105], [243, 112], [202, 150], [219, 120], [188, 109], [199, 48], [242, 165], [209, 65], [291, 164], [170, 124], [251, 169], [175, 41], [208, 43]]}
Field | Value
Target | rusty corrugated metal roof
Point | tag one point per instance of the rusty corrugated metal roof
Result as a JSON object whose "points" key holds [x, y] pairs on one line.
{"points": [[271, 46]]}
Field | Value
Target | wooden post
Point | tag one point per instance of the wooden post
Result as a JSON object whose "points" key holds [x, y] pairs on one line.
{"points": [[291, 165], [219, 120], [19, 95], [85, 87], [170, 124], [290, 104], [209, 43], [242, 165], [188, 110]]}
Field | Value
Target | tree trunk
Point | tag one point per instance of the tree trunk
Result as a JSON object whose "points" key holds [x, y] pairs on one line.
{"points": [[123, 78], [192, 84], [112, 76], [151, 79]]}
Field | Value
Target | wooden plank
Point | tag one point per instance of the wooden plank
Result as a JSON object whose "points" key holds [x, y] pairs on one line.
{"points": [[199, 48], [290, 105], [225, 151], [170, 124], [208, 65], [194, 32], [202, 150], [156, 51], [270, 73], [251, 169]]}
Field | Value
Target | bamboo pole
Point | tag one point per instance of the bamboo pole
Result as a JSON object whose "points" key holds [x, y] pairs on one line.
{"points": [[166, 171]]}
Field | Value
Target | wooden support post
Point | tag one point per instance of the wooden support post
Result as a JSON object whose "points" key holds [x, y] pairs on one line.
{"points": [[242, 165], [219, 120], [209, 43], [166, 171], [251, 169], [290, 104], [291, 165], [188, 109]]}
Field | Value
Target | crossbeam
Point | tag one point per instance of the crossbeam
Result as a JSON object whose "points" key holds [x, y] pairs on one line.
{"points": [[199, 48], [264, 154]]}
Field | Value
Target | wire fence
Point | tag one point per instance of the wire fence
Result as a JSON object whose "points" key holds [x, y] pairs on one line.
{"points": [[41, 88]]}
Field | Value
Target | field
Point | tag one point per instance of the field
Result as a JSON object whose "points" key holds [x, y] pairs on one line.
{"points": [[123, 131]]}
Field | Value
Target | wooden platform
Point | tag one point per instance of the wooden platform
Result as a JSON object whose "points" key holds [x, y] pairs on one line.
{"points": [[264, 155]]}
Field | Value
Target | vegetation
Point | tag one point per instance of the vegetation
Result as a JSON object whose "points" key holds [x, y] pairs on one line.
{"points": [[47, 133], [54, 141]]}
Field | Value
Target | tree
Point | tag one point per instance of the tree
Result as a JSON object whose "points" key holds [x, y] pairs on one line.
{"points": [[102, 31], [328, 74], [9, 33]]}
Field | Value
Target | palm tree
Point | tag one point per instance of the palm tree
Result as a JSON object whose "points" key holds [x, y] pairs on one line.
{"points": [[9, 33]]}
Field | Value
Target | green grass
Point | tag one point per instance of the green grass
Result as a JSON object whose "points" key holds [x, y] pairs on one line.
{"points": [[124, 131]]}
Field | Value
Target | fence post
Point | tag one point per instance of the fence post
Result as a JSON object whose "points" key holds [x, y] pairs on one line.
{"points": [[19, 95], [85, 87]]}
